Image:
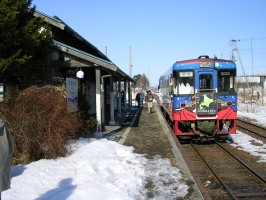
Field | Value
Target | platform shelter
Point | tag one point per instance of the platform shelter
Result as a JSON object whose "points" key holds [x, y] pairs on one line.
{"points": [[101, 81]]}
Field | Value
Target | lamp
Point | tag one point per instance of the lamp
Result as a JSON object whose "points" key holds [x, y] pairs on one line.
{"points": [[80, 74]]}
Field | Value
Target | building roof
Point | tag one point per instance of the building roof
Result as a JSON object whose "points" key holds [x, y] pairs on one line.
{"points": [[80, 48]]}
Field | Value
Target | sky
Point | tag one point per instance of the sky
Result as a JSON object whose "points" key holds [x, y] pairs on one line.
{"points": [[161, 32], [104, 169]]}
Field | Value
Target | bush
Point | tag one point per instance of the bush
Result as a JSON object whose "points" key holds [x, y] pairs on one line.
{"points": [[39, 122], [91, 124]]}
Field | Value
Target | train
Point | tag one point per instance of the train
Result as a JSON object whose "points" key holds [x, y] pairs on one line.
{"points": [[198, 97]]}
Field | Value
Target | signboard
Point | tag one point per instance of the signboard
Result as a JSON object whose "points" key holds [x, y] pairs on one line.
{"points": [[206, 104], [186, 74], [72, 94], [225, 73], [205, 64]]}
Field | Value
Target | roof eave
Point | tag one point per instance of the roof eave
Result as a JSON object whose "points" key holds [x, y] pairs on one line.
{"points": [[50, 20]]}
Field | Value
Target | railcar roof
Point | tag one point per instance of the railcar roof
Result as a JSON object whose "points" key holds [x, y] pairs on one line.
{"points": [[195, 64], [201, 60]]}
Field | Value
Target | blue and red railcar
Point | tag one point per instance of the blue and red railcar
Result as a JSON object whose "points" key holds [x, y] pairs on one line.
{"points": [[199, 97]]}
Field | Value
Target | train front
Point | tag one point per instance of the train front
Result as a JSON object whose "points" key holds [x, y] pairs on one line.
{"points": [[204, 100]]}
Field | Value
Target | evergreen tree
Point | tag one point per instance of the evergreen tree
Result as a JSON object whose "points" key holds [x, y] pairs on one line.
{"points": [[24, 38], [141, 81]]}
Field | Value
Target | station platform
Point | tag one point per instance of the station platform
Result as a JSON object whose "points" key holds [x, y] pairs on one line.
{"points": [[150, 135]]}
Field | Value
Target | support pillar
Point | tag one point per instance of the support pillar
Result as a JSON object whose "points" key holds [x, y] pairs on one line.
{"points": [[125, 95], [129, 95], [98, 99], [119, 97], [112, 110]]}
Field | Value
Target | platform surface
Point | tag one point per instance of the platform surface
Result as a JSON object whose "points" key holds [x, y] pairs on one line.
{"points": [[149, 134]]}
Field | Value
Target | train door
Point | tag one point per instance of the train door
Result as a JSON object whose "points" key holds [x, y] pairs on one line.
{"points": [[205, 81], [206, 95]]}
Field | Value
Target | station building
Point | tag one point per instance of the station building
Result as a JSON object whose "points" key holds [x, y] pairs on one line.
{"points": [[72, 56], [251, 89]]}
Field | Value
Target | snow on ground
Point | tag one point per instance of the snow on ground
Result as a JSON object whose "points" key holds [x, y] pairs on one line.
{"points": [[245, 142], [253, 111], [96, 169], [249, 144], [102, 169]]}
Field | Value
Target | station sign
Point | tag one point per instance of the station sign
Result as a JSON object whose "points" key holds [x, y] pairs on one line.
{"points": [[72, 94]]}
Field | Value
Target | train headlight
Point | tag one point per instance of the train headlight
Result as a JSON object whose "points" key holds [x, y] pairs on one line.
{"points": [[230, 103], [226, 104], [186, 104]]}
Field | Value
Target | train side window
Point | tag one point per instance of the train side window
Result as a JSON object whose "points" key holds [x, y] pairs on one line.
{"points": [[184, 83], [226, 82], [205, 81]]}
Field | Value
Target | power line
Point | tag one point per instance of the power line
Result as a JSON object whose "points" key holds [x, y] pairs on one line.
{"points": [[248, 39], [256, 52]]}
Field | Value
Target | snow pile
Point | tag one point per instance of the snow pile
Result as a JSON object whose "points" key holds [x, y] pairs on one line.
{"points": [[96, 169]]}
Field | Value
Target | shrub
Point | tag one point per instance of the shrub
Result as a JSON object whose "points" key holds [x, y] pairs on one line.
{"points": [[39, 122]]}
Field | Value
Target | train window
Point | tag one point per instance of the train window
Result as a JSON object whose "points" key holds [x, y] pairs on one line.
{"points": [[205, 81], [184, 84], [226, 82]]}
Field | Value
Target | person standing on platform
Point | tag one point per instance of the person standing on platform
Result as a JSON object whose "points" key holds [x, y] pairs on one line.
{"points": [[122, 99], [149, 99], [6, 150], [138, 100], [141, 98]]}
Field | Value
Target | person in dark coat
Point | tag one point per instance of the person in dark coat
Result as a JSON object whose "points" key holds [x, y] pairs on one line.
{"points": [[122, 97], [6, 150], [138, 99]]}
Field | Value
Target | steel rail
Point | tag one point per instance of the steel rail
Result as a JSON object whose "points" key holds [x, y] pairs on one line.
{"points": [[238, 119], [222, 183], [261, 135], [257, 174]]}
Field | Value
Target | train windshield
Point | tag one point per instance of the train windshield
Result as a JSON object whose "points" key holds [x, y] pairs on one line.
{"points": [[184, 83], [226, 82], [205, 81]]}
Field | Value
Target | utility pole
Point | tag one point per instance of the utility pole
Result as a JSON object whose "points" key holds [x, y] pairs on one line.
{"points": [[251, 54], [233, 44], [149, 75], [130, 62], [234, 48]]}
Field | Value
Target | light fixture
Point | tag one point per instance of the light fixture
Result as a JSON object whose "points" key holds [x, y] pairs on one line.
{"points": [[80, 74]]}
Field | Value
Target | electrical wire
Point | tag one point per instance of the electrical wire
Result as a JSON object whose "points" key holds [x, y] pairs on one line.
{"points": [[248, 39]]}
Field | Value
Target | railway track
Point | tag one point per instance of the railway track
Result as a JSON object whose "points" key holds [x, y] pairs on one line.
{"points": [[251, 128], [226, 172], [224, 175]]}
